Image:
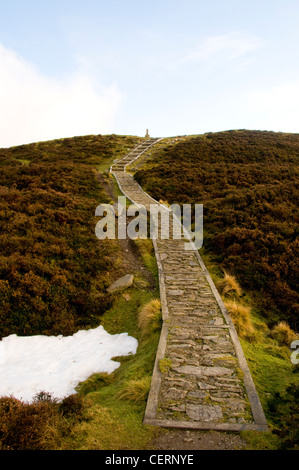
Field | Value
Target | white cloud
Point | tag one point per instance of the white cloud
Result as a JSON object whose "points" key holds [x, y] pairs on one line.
{"points": [[275, 108], [215, 50], [34, 107], [231, 46]]}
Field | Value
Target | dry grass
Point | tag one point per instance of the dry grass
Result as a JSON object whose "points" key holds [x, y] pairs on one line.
{"points": [[229, 285], [150, 317], [136, 390], [40, 425], [241, 317], [164, 203], [283, 334]]}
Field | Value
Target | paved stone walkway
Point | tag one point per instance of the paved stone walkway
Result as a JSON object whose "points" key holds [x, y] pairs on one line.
{"points": [[201, 379]]}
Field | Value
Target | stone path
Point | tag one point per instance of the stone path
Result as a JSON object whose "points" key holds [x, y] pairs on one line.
{"points": [[201, 378]]}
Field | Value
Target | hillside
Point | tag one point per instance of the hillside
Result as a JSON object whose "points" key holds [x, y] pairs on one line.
{"points": [[53, 271], [248, 184]]}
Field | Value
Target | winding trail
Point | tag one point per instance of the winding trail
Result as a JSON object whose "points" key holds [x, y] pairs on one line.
{"points": [[208, 384]]}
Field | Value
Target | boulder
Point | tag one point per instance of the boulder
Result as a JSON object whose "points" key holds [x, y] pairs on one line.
{"points": [[121, 283]]}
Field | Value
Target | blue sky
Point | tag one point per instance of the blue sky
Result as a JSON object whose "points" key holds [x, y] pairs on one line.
{"points": [[175, 67]]}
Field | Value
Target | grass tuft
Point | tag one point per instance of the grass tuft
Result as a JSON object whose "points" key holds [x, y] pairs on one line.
{"points": [[136, 390], [150, 317], [241, 317], [229, 285], [283, 334]]}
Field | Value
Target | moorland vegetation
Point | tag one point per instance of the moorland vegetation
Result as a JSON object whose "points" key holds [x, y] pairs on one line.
{"points": [[248, 183], [54, 273]]}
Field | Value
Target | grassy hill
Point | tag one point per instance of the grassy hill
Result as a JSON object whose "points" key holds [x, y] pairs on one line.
{"points": [[54, 273]]}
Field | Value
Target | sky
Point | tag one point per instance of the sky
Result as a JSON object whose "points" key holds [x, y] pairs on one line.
{"points": [[71, 67]]}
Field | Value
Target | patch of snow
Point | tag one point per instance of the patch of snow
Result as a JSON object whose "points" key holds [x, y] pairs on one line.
{"points": [[56, 364]]}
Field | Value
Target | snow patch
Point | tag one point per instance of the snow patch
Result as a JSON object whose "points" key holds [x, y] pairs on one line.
{"points": [[56, 364]]}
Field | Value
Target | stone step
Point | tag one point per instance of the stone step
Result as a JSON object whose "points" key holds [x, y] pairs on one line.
{"points": [[202, 388]]}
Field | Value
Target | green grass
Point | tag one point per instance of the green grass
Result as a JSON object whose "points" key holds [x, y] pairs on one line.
{"points": [[24, 161], [272, 372], [270, 366], [112, 426], [115, 418], [165, 365], [116, 402], [146, 251], [105, 165], [123, 316]]}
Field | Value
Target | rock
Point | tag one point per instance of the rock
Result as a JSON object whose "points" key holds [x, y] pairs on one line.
{"points": [[121, 283], [126, 296], [180, 408], [186, 385], [141, 284], [204, 371], [174, 394], [224, 394], [206, 386], [175, 292], [197, 394], [204, 413]]}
